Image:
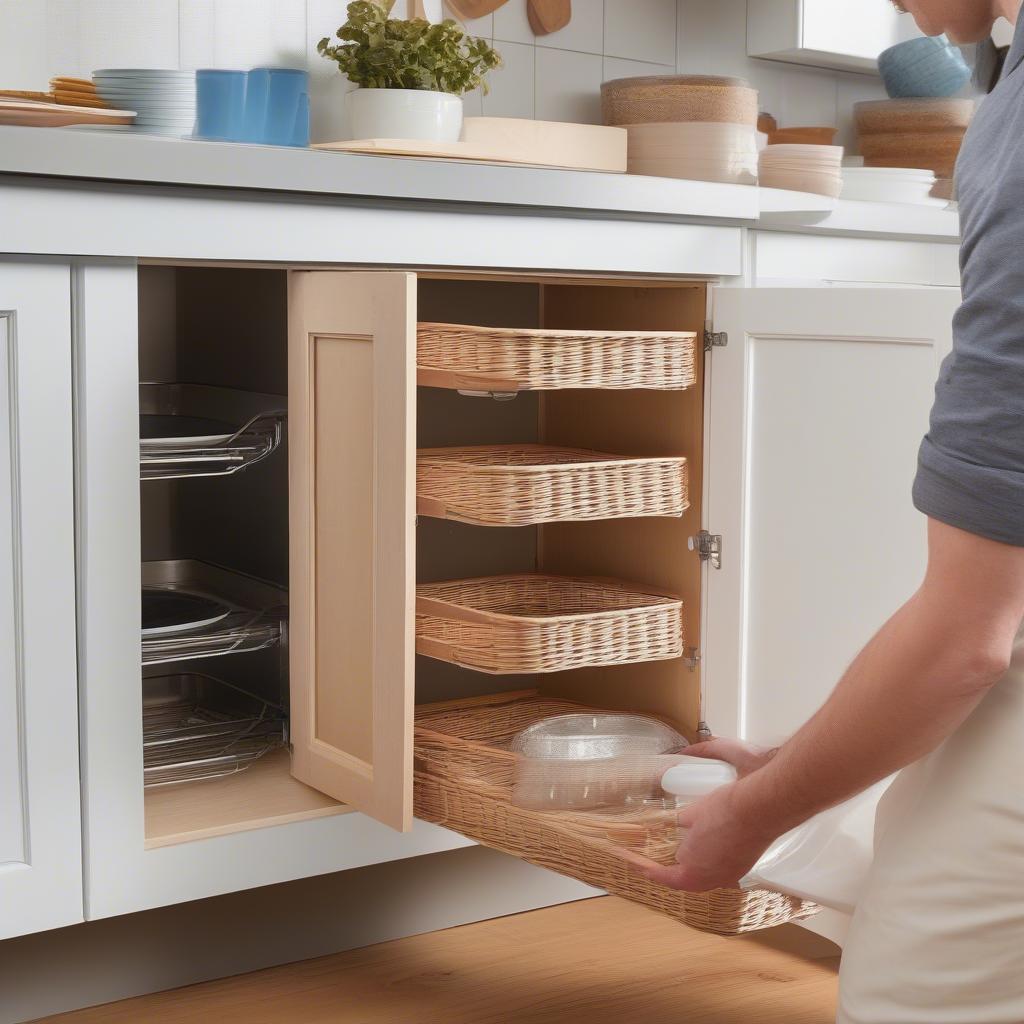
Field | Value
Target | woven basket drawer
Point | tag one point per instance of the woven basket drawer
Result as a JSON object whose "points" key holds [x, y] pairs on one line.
{"points": [[535, 623], [493, 359], [463, 776], [525, 484]]}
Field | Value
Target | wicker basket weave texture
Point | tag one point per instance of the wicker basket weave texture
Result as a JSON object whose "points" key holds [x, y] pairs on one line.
{"points": [[463, 779], [551, 360], [520, 485], [540, 623]]}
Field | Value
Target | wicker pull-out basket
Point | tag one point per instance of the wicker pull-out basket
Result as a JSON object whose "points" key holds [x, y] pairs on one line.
{"points": [[524, 484], [535, 623], [463, 780], [502, 360]]}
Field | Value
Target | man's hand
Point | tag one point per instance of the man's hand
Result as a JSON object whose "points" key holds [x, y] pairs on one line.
{"points": [[717, 850], [914, 683], [744, 757]]}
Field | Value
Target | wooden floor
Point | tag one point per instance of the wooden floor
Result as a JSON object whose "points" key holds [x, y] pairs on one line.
{"points": [[598, 961]]}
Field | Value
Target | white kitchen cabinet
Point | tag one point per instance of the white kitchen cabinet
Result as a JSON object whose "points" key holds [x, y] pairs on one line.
{"points": [[40, 821], [844, 34], [800, 438], [817, 406]]}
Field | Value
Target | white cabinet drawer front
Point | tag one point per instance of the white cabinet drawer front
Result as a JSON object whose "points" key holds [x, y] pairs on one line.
{"points": [[40, 823]]}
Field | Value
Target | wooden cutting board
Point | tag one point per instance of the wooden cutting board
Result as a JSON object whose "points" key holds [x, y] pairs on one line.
{"points": [[57, 115], [507, 144], [547, 16]]}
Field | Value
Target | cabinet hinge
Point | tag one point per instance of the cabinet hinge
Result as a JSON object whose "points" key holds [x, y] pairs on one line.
{"points": [[713, 338], [703, 731], [691, 658], [708, 547]]}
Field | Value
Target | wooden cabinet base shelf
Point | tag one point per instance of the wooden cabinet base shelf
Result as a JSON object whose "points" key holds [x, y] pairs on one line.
{"points": [[463, 780], [265, 794]]}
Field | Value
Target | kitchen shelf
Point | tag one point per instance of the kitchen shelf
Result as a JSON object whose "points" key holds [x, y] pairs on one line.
{"points": [[191, 430], [463, 781], [196, 727], [501, 361], [526, 484], [255, 612], [531, 623]]}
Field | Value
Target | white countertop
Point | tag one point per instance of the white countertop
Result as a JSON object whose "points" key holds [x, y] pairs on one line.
{"points": [[125, 158]]}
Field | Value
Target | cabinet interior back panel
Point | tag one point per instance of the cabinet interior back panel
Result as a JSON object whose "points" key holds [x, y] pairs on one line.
{"points": [[649, 551]]}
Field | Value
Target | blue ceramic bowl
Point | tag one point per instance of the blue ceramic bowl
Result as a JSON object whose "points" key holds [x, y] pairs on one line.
{"points": [[928, 66]]}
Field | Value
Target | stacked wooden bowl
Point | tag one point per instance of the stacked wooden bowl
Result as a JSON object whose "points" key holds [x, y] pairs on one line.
{"points": [[686, 126], [802, 168], [914, 133]]}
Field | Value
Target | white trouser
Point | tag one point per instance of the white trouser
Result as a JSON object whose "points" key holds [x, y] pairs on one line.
{"points": [[938, 936]]}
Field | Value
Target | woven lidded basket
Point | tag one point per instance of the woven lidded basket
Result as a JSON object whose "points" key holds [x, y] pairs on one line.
{"points": [[653, 99], [523, 484], [531, 622], [463, 780], [508, 360]]}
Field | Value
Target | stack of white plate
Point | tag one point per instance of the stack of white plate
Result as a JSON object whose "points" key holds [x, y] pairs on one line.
{"points": [[698, 150], [802, 168], [890, 185], [165, 100]]}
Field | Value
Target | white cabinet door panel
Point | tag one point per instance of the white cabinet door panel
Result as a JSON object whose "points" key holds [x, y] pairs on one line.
{"points": [[40, 800], [817, 407]]}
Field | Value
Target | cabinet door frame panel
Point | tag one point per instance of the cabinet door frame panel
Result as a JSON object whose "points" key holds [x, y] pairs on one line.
{"points": [[40, 863]]}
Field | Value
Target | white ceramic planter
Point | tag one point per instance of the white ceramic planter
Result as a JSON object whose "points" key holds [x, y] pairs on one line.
{"points": [[404, 114]]}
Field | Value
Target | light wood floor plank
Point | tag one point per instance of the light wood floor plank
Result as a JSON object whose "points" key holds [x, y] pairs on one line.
{"points": [[598, 961]]}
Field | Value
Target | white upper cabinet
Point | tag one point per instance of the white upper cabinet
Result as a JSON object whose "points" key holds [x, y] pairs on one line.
{"points": [[818, 404], [40, 822], [844, 34]]}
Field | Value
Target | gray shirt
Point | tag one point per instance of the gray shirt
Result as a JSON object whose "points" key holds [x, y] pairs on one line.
{"points": [[971, 465]]}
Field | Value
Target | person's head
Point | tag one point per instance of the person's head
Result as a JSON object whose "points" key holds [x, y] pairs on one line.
{"points": [[964, 21]]}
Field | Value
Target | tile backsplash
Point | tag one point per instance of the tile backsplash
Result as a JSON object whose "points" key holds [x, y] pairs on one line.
{"points": [[553, 77]]}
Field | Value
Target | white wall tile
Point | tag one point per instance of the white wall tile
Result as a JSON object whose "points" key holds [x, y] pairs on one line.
{"points": [[808, 97], [512, 85], [61, 48], [482, 27], [617, 67], [126, 33], [249, 33], [584, 33], [511, 24], [327, 85], [196, 34], [641, 30], [23, 44], [568, 86]]}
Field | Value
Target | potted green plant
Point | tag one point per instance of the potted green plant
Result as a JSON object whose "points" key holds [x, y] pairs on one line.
{"points": [[411, 74]]}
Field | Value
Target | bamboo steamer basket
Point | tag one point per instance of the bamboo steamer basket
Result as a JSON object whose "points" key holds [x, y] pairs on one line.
{"points": [[912, 115], [661, 98]]}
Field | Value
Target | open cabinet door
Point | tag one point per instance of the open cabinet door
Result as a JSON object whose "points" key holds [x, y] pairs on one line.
{"points": [[817, 406], [351, 451]]}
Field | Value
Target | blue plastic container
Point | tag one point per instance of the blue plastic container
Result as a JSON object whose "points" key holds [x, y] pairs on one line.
{"points": [[220, 104], [277, 107], [268, 106], [929, 66]]}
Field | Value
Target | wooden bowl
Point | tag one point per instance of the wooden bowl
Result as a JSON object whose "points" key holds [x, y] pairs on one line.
{"points": [[912, 115], [659, 98], [822, 136]]}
